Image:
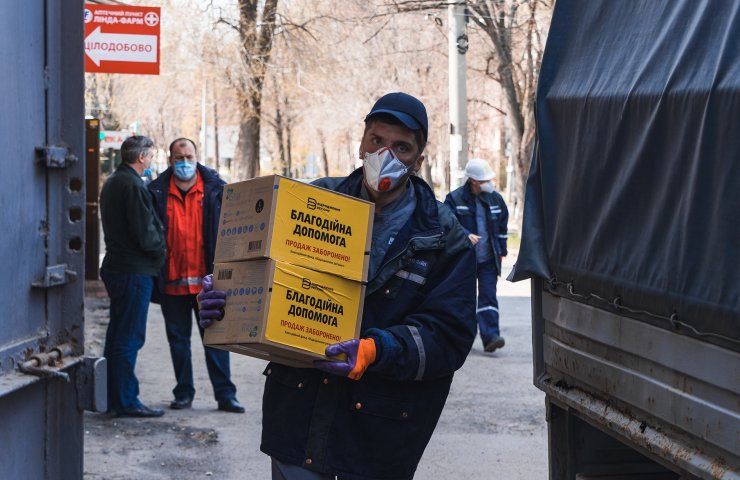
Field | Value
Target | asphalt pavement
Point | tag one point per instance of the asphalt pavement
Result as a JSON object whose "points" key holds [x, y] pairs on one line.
{"points": [[493, 426]]}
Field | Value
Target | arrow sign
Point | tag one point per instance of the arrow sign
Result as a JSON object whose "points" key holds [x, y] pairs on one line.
{"points": [[120, 47], [121, 38]]}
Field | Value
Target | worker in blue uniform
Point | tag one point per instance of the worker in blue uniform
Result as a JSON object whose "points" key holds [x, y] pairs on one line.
{"points": [[371, 415], [483, 214]]}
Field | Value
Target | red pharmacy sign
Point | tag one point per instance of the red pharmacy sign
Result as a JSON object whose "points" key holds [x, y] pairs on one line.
{"points": [[121, 39]]}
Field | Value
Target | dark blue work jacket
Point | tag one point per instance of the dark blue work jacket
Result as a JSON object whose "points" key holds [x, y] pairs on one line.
{"points": [[462, 203], [213, 189], [420, 310]]}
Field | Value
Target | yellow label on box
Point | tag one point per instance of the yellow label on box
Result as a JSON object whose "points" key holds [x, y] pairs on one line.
{"points": [[324, 230], [283, 310], [297, 223], [310, 310]]}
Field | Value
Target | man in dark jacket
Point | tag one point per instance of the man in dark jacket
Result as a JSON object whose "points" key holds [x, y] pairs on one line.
{"points": [[187, 198], [484, 216], [135, 250], [371, 416]]}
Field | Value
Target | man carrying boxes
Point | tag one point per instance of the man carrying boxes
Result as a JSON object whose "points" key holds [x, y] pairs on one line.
{"points": [[370, 413]]}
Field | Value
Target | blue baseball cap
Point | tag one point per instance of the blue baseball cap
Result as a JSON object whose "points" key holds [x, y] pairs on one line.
{"points": [[407, 109]]}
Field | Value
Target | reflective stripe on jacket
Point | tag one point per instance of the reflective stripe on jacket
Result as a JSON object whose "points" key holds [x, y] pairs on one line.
{"points": [[461, 202]]}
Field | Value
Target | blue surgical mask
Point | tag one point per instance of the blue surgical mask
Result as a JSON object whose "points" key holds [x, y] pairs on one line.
{"points": [[147, 172], [184, 170]]}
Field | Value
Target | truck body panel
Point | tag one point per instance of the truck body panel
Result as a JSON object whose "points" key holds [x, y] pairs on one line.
{"points": [[631, 237]]}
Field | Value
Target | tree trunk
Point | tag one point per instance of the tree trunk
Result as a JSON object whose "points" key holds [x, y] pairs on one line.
{"points": [[163, 133], [519, 179], [324, 157], [351, 155], [288, 137], [426, 169], [215, 131], [256, 35], [523, 162], [248, 152], [279, 129], [501, 158], [289, 148]]}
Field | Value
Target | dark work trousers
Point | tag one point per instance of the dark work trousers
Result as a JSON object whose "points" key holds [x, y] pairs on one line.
{"points": [[487, 311], [287, 471], [129, 304], [178, 319]]}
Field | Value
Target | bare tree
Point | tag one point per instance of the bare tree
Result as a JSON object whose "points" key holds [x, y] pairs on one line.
{"points": [[289, 146], [256, 43], [216, 142], [310, 66], [163, 106], [518, 45], [280, 134], [256, 30], [98, 96], [324, 157], [350, 58], [516, 31]]}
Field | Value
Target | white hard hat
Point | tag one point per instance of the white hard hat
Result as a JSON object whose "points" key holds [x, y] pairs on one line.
{"points": [[479, 170]]}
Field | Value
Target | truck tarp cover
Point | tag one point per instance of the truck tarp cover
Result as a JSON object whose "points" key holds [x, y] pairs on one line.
{"points": [[634, 189]]}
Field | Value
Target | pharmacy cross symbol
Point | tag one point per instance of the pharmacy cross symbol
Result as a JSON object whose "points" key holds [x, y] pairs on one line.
{"points": [[151, 19]]}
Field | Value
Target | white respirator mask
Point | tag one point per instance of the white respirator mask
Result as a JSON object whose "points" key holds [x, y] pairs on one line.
{"points": [[383, 170], [486, 187]]}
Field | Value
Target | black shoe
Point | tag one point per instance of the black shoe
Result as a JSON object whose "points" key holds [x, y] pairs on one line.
{"points": [[181, 403], [141, 411], [494, 344], [231, 405]]}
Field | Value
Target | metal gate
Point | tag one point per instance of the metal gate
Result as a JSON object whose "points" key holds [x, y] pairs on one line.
{"points": [[45, 381]]}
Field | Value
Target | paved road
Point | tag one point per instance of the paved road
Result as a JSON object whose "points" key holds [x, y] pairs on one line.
{"points": [[493, 426]]}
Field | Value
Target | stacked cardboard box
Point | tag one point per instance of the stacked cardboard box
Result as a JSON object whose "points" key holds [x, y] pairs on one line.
{"points": [[293, 260]]}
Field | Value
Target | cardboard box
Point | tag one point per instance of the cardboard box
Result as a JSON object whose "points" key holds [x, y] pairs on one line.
{"points": [[297, 223], [282, 312]]}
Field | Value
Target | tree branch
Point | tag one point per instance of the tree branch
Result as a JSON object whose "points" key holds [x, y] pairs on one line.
{"points": [[487, 104], [377, 31]]}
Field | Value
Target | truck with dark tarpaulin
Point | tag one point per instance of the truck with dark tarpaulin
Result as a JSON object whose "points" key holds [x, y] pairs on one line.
{"points": [[631, 236]]}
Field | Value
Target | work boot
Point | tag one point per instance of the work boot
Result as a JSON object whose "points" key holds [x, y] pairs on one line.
{"points": [[181, 403], [494, 344], [230, 405], [140, 411]]}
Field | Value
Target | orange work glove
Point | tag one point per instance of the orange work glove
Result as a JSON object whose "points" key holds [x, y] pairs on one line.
{"points": [[360, 354]]}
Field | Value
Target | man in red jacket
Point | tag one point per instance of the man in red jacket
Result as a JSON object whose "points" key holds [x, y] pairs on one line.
{"points": [[187, 198]]}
